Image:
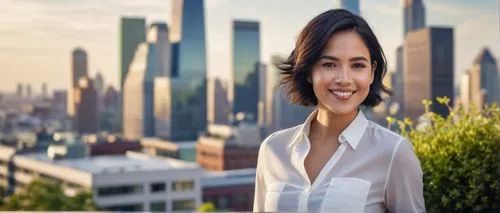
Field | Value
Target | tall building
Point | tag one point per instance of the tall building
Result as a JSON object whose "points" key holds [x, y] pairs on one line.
{"points": [[245, 59], [2, 99], [272, 83], [351, 5], [86, 107], [487, 66], [99, 83], [480, 84], [45, 91], [59, 103], [465, 91], [428, 69], [188, 85], [261, 104], [111, 99], [132, 33], [285, 114], [414, 15], [217, 102], [19, 90], [398, 83], [79, 69], [150, 62], [29, 92], [99, 87]]}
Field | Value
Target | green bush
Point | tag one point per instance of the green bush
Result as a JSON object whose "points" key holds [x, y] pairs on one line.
{"points": [[460, 158], [46, 196]]}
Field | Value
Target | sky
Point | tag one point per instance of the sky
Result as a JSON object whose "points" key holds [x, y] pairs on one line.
{"points": [[38, 36]]}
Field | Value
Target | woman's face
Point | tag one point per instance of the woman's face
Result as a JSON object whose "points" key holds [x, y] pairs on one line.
{"points": [[342, 76]]}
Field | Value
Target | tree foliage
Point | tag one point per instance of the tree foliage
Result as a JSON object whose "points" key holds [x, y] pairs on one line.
{"points": [[42, 195], [460, 157]]}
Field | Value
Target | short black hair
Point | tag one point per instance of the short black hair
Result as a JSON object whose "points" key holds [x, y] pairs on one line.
{"points": [[310, 43]]}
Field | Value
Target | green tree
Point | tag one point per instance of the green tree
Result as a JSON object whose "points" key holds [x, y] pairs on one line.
{"points": [[47, 196], [460, 157]]}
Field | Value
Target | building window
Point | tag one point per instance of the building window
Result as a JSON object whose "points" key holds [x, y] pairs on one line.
{"points": [[158, 187], [240, 199], [223, 202], [181, 205], [182, 185], [129, 207], [119, 190], [159, 206]]}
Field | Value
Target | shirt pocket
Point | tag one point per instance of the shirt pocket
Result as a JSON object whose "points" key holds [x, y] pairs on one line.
{"points": [[346, 194], [273, 194]]}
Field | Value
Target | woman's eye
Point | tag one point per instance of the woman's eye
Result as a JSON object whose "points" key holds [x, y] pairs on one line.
{"points": [[359, 66], [328, 65]]}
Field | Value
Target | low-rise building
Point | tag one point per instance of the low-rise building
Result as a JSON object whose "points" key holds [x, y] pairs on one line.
{"points": [[131, 182]]}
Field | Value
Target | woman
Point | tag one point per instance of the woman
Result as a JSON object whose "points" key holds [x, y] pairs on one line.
{"points": [[337, 161]]}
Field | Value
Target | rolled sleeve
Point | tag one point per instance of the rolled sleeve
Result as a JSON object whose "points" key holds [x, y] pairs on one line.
{"points": [[404, 186]]}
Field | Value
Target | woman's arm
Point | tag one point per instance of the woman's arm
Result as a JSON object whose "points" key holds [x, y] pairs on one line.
{"points": [[404, 186]]}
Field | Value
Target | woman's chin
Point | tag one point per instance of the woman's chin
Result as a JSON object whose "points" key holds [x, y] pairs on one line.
{"points": [[341, 109]]}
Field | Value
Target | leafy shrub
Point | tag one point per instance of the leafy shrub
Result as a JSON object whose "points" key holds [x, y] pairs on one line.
{"points": [[460, 157]]}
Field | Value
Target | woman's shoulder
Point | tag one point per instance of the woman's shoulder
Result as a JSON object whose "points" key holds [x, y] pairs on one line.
{"points": [[385, 137]]}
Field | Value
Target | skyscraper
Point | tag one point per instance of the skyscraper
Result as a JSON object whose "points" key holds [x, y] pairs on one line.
{"points": [[79, 69], [285, 114], [245, 60], [217, 103], [99, 87], [398, 82], [487, 66], [428, 71], [188, 83], [350, 5], [132, 33], [480, 84], [86, 107], [414, 15], [272, 84], [150, 62], [111, 99], [59, 103], [29, 92], [414, 19], [261, 106], [99, 83], [44, 91], [19, 90], [158, 35]]}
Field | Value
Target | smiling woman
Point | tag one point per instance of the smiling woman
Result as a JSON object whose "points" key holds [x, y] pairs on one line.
{"points": [[337, 161]]}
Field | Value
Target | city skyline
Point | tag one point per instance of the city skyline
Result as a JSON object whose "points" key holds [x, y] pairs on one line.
{"points": [[52, 37]]}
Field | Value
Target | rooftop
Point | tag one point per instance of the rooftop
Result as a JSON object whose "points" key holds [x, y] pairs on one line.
{"points": [[166, 144], [229, 178], [131, 162]]}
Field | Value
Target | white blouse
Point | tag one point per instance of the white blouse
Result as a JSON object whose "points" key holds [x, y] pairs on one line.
{"points": [[374, 170]]}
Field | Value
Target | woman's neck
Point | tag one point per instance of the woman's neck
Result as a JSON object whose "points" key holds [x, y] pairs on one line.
{"points": [[328, 125]]}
